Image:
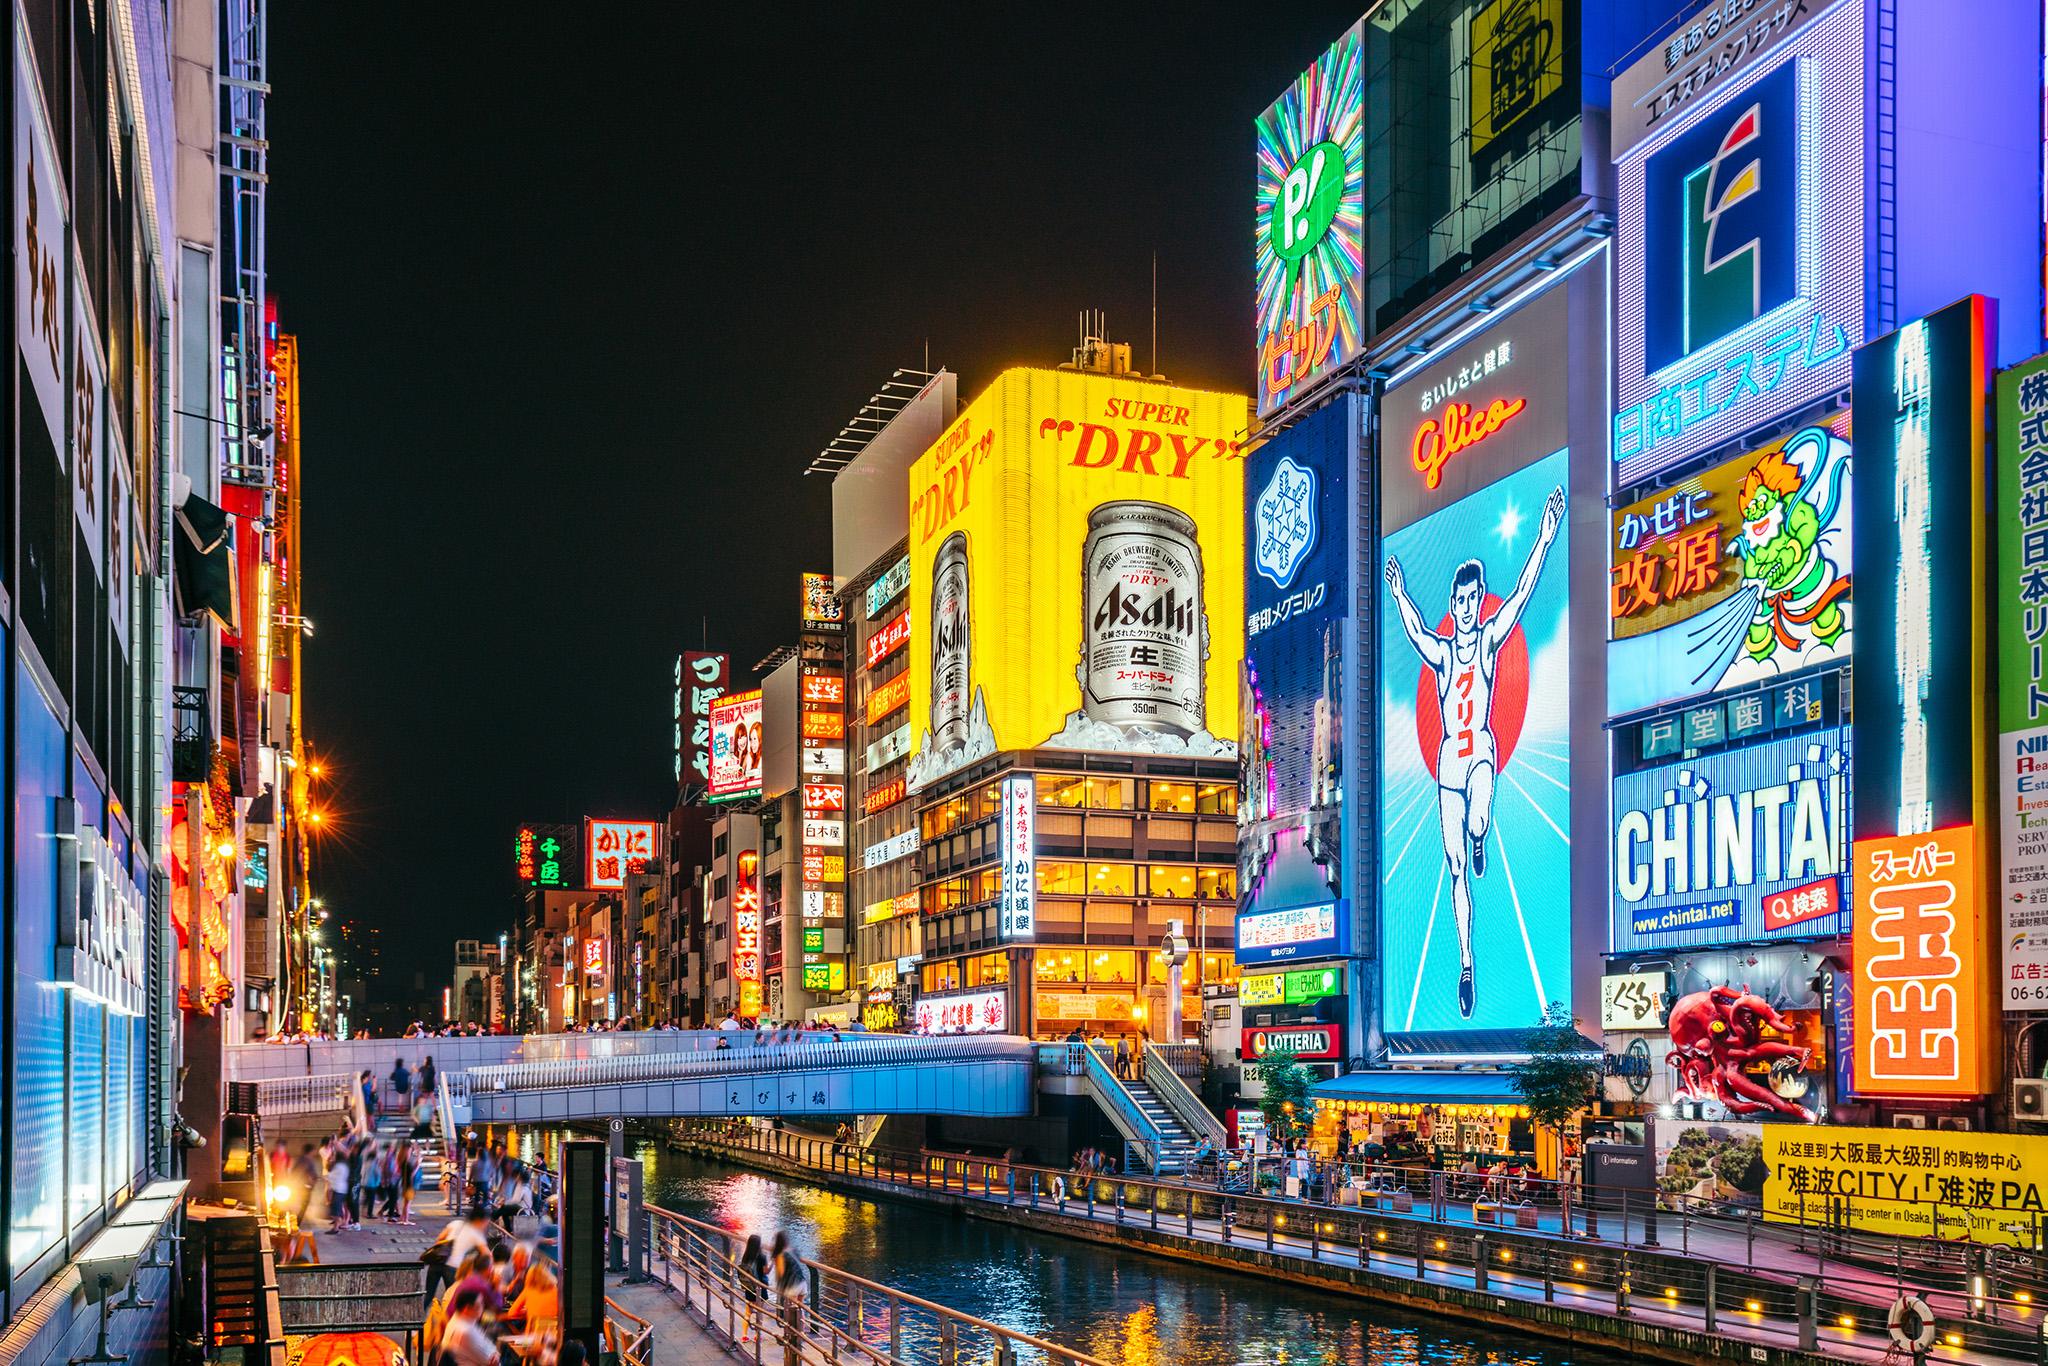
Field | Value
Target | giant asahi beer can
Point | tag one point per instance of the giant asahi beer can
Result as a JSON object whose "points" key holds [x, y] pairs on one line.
{"points": [[1144, 631], [952, 691]]}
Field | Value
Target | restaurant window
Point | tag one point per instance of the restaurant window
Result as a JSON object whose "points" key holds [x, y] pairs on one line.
{"points": [[1170, 881], [1175, 797], [1112, 879], [1216, 884], [949, 895], [1057, 965], [1061, 877], [1115, 967], [988, 970], [1216, 799]]}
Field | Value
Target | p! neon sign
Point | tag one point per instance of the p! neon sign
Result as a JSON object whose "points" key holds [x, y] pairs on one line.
{"points": [[1462, 427]]}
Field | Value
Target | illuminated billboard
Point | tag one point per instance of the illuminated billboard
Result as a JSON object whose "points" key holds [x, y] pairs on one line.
{"points": [[1740, 242], [1474, 795], [746, 931], [1076, 548], [2021, 590], [1746, 844], [735, 746], [545, 855], [821, 606], [1309, 224], [702, 677], [1922, 709], [1735, 575], [616, 848], [1297, 602], [1296, 933]]}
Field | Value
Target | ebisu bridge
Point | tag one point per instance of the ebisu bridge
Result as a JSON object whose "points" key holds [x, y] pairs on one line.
{"points": [[539, 1079]]}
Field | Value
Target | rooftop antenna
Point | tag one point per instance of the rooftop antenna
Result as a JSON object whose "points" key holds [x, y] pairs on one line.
{"points": [[1155, 310]]}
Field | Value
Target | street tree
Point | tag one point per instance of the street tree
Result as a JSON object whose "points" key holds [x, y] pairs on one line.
{"points": [[1286, 1103], [1560, 1076]]}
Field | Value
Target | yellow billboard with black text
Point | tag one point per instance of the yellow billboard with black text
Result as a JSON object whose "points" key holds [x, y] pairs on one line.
{"points": [[1077, 572], [1909, 1183]]}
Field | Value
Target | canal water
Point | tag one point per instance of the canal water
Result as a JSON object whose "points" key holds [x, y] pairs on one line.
{"points": [[1120, 1307]]}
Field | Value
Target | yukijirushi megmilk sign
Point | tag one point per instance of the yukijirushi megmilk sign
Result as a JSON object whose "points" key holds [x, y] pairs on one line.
{"points": [[2022, 595]]}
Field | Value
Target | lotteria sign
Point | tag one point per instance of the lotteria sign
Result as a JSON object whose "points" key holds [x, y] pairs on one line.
{"points": [[1734, 846], [1314, 1042], [1297, 932]]}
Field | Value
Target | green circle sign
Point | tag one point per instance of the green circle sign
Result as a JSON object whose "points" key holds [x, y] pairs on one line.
{"points": [[1301, 213]]}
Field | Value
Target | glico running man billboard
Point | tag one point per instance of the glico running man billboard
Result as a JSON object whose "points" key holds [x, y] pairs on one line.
{"points": [[1309, 234], [1077, 576], [1474, 757], [1297, 602], [1735, 575]]}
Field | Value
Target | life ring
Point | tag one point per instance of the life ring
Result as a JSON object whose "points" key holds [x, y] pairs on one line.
{"points": [[1910, 1309]]}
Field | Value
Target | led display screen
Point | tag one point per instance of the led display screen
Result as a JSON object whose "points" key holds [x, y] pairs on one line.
{"points": [[1739, 249], [736, 746], [1076, 548], [2021, 591], [1297, 596], [1309, 240], [1735, 575], [1746, 844], [1474, 759]]}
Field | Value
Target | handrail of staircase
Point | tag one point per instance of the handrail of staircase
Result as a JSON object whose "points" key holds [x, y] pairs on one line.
{"points": [[1123, 1107], [810, 1053], [1177, 1096], [303, 1095], [444, 1107]]}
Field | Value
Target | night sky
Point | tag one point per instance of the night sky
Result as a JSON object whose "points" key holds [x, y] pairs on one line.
{"points": [[578, 300]]}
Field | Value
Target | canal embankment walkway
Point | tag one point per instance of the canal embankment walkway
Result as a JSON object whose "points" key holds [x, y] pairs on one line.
{"points": [[1721, 1298]]}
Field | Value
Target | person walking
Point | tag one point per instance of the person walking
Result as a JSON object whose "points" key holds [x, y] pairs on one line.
{"points": [[338, 1190], [1123, 1057], [790, 1276], [428, 1077], [408, 1180], [401, 1087], [752, 1271], [310, 1175]]}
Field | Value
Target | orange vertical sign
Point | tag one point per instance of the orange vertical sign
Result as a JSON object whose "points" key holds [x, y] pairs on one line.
{"points": [[1919, 966]]}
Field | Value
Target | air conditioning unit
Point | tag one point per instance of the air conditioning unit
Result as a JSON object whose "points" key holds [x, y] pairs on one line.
{"points": [[1959, 1124], [2030, 1098], [1909, 1121]]}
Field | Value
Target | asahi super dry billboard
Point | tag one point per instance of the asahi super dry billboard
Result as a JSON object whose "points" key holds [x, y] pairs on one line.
{"points": [[1077, 573]]}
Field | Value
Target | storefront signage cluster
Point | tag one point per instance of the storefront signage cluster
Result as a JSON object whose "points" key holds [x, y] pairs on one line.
{"points": [[821, 700], [746, 931], [1908, 1183]]}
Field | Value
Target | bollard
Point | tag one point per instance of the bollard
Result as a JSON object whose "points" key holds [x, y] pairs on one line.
{"points": [[1315, 1239], [1479, 1261], [1089, 1182], [1034, 1190], [1224, 1220], [1116, 1198], [1621, 1289], [1421, 1259], [1010, 1183], [1549, 1274], [1713, 1288], [1269, 1228], [1188, 1214], [1155, 1208], [1809, 1327]]}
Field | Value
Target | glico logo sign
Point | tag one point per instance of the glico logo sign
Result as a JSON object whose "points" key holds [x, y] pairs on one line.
{"points": [[1463, 426], [1721, 222]]}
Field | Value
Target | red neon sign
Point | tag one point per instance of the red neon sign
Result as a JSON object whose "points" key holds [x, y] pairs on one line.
{"points": [[1463, 427], [892, 636]]}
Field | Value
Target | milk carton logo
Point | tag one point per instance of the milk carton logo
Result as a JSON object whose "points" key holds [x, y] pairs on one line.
{"points": [[1285, 516]]}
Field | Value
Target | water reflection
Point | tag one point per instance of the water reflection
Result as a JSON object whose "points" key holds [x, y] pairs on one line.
{"points": [[1121, 1307]]}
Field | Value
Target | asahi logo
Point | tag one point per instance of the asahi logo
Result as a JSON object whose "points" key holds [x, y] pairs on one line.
{"points": [[1166, 611]]}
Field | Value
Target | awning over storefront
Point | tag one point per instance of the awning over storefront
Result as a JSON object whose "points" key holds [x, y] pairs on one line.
{"points": [[202, 562], [1422, 1088]]}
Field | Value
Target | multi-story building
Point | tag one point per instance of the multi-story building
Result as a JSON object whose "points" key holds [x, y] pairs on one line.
{"points": [[869, 465], [1073, 692]]}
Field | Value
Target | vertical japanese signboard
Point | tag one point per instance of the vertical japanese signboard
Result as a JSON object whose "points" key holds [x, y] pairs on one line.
{"points": [[2022, 596], [1923, 959], [702, 676], [746, 931], [1018, 903]]}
